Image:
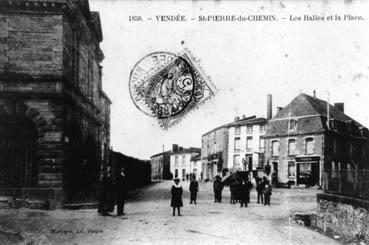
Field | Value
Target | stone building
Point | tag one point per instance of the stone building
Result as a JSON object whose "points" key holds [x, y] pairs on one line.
{"points": [[214, 152], [54, 116], [160, 166], [180, 162], [245, 145], [300, 144]]}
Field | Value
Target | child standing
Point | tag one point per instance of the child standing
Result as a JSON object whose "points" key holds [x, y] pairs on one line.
{"points": [[176, 201]]}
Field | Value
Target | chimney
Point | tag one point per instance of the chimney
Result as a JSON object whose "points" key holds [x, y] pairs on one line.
{"points": [[269, 106], [236, 118], [279, 109], [243, 117], [314, 92], [175, 148], [340, 106]]}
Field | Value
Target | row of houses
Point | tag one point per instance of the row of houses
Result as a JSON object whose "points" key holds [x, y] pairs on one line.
{"points": [[295, 146]]}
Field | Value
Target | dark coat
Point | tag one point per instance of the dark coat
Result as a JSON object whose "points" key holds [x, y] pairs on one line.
{"points": [[217, 186], [244, 192], [108, 199], [176, 196], [267, 190], [194, 186], [121, 184]]}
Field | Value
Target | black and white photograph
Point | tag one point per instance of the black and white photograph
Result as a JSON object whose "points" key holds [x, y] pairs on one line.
{"points": [[184, 122]]}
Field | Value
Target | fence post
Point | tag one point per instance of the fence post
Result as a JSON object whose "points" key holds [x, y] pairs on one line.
{"points": [[356, 176], [339, 178]]}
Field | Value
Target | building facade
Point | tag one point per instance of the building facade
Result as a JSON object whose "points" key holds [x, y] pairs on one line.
{"points": [[309, 136], [54, 126], [181, 165], [160, 166], [214, 152], [245, 145]]}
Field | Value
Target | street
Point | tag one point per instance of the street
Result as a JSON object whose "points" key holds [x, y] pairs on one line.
{"points": [[149, 220]]}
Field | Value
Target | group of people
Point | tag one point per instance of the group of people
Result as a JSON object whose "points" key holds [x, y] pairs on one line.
{"points": [[112, 192], [264, 189], [240, 192]]}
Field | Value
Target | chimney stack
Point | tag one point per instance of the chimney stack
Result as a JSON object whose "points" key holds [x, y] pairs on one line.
{"points": [[279, 108], [269, 106], [174, 148], [243, 117], [340, 107], [314, 92], [236, 118]]}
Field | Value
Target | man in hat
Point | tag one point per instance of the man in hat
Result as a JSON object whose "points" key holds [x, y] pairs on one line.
{"points": [[121, 190], [194, 188], [217, 187]]}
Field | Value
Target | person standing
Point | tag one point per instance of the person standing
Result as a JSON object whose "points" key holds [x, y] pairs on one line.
{"points": [[259, 189], [267, 193], [194, 188], [233, 187], [176, 201], [121, 190], [249, 187], [244, 193], [106, 203], [217, 187]]}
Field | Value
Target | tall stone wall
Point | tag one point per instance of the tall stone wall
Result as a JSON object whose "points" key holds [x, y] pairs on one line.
{"points": [[31, 44], [343, 215]]}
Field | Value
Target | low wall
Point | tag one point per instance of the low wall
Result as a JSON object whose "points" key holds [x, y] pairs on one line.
{"points": [[343, 215]]}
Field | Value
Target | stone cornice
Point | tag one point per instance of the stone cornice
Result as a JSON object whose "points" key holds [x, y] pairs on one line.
{"points": [[62, 7]]}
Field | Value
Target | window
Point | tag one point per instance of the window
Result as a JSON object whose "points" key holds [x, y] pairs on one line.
{"points": [[176, 173], [275, 148], [237, 143], [249, 129], [176, 161], [292, 125], [249, 144], [261, 145], [291, 147], [291, 170], [335, 146], [183, 160], [183, 173], [263, 128], [309, 146], [237, 130], [236, 161]]}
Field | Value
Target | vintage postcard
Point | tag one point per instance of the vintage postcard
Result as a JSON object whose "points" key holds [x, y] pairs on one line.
{"points": [[184, 122]]}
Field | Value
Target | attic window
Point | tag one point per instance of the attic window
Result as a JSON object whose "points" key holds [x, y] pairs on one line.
{"points": [[292, 125]]}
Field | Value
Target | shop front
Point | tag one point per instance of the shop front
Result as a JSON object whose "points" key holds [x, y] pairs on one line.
{"points": [[307, 172]]}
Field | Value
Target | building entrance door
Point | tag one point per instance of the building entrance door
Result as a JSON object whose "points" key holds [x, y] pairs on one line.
{"points": [[18, 153]]}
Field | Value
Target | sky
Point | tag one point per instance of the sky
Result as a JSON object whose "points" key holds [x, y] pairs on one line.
{"points": [[245, 61]]}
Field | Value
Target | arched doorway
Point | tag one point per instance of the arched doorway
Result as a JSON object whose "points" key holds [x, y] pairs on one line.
{"points": [[18, 152]]}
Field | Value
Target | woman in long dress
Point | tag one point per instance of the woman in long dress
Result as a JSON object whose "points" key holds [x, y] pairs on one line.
{"points": [[176, 201]]}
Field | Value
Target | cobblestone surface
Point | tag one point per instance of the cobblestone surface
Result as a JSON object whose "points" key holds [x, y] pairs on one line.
{"points": [[149, 220]]}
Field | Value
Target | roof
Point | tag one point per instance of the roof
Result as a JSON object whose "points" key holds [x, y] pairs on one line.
{"points": [[246, 121], [253, 121], [306, 105], [161, 153], [187, 150]]}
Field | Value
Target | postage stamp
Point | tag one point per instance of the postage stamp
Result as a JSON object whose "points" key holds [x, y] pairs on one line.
{"points": [[168, 86]]}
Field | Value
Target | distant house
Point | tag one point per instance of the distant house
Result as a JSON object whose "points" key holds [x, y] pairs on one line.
{"points": [[245, 145], [181, 159], [160, 166], [309, 136], [214, 152]]}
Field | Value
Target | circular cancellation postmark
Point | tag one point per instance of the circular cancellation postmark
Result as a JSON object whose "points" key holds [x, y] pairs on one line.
{"points": [[166, 86]]}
